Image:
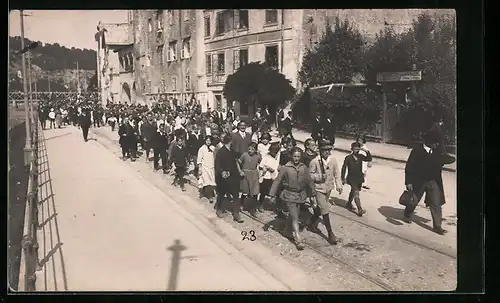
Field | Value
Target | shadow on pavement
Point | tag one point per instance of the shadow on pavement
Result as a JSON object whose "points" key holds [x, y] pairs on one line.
{"points": [[55, 137], [176, 250], [395, 216], [50, 241], [18, 187]]}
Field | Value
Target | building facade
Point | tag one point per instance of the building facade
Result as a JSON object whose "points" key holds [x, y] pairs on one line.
{"points": [[165, 43], [234, 38], [114, 61]]}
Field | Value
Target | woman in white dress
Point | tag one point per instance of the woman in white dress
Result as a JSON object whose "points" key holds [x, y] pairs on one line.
{"points": [[206, 169]]}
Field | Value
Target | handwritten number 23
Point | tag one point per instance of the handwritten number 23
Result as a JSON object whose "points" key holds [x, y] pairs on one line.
{"points": [[248, 236]]}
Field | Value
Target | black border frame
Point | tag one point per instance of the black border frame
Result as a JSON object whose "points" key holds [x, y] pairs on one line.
{"points": [[471, 152]]}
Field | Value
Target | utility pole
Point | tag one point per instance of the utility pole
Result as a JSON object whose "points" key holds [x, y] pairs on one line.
{"points": [[48, 79], [27, 148], [30, 79], [78, 77]]}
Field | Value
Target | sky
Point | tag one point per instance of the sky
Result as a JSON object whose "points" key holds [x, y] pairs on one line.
{"points": [[71, 28]]}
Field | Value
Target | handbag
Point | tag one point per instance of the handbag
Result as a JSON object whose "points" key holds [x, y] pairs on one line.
{"points": [[408, 198]]}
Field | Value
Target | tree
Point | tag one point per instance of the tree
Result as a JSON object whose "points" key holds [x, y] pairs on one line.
{"points": [[360, 108], [92, 87], [257, 84], [336, 58], [431, 46]]}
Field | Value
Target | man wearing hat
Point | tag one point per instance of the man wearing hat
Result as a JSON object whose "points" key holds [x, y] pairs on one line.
{"points": [[325, 173], [423, 174]]}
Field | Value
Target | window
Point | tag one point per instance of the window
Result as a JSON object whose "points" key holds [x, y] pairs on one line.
{"points": [[243, 57], [159, 20], [163, 85], [220, 63], [240, 58], [130, 66], [174, 83], [224, 22], [186, 49], [271, 16], [220, 24], [150, 25], [187, 83], [208, 64], [149, 85], [243, 15], [272, 56], [172, 54], [171, 16], [122, 62], [160, 54], [186, 15], [207, 26]]}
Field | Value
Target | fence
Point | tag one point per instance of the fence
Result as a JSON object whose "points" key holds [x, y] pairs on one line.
{"points": [[29, 256], [17, 98]]}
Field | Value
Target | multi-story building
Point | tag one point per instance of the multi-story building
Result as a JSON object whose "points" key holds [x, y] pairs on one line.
{"points": [[165, 43], [233, 38], [115, 62]]}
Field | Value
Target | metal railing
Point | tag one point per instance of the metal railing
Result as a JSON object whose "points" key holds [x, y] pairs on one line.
{"points": [[30, 242]]}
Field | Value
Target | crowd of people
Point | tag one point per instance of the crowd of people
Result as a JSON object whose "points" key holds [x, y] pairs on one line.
{"points": [[245, 166]]}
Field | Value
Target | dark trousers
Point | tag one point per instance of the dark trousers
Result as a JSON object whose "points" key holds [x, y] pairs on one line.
{"points": [[112, 124], [160, 154], [129, 147], [97, 122], [433, 198], [85, 131], [224, 189], [180, 172], [208, 191], [52, 123]]}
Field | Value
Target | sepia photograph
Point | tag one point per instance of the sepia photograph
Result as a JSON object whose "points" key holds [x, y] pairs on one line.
{"points": [[226, 150]]}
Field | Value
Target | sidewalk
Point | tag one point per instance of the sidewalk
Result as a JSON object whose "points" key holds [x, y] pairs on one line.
{"points": [[105, 228], [382, 151]]}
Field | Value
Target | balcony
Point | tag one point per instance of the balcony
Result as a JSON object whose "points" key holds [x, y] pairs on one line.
{"points": [[216, 79]]}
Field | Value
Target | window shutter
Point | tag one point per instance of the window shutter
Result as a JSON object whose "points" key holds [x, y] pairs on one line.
{"points": [[236, 60], [215, 67], [236, 21]]}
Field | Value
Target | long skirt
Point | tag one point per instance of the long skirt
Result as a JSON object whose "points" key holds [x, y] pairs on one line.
{"points": [[207, 176]]}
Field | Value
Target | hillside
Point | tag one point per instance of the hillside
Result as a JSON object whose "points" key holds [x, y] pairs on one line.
{"points": [[54, 62]]}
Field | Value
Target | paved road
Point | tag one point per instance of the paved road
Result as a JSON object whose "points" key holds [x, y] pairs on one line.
{"points": [[386, 181], [18, 186], [104, 227], [406, 257]]}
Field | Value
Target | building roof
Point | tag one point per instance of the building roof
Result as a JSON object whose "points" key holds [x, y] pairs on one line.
{"points": [[117, 33]]}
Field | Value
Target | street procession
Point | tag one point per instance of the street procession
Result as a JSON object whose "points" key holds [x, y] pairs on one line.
{"points": [[234, 150], [253, 165]]}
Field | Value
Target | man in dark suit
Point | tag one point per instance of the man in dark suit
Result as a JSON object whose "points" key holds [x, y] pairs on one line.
{"points": [[317, 128], [227, 178], [160, 143], [329, 128], [128, 138], [423, 174], [148, 130], [240, 140], [85, 123], [195, 141]]}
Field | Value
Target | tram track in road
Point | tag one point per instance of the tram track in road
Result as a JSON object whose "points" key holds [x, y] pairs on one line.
{"points": [[334, 255], [347, 266]]}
